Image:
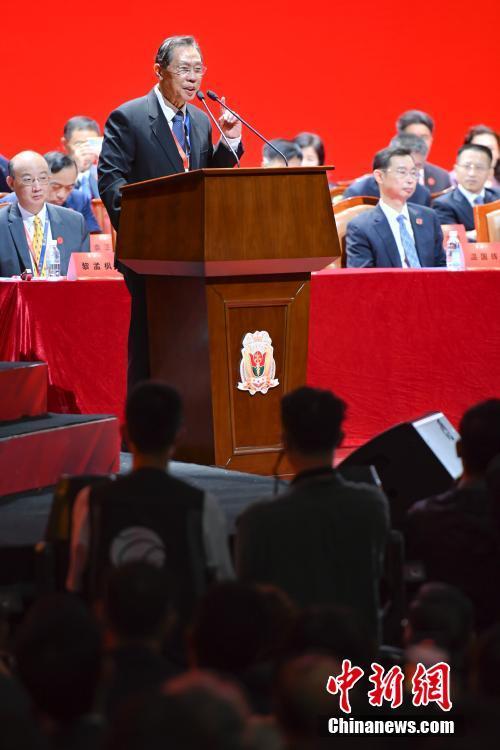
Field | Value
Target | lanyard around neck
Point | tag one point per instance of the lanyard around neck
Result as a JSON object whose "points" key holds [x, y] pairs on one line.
{"points": [[41, 260], [184, 154]]}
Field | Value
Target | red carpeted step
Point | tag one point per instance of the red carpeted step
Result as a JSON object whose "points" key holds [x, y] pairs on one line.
{"points": [[35, 452], [23, 390]]}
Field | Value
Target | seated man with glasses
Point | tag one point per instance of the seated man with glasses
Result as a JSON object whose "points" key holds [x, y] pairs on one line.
{"points": [[159, 134], [63, 175], [29, 224], [472, 171], [395, 234], [367, 185]]}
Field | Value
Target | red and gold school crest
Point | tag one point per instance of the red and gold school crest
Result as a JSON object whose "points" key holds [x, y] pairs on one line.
{"points": [[257, 367]]}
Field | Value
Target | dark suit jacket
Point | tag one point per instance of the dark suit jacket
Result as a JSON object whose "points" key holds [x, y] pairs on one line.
{"points": [[436, 178], [322, 542], [370, 241], [14, 251], [367, 185], [77, 201], [138, 145], [454, 208], [4, 188]]}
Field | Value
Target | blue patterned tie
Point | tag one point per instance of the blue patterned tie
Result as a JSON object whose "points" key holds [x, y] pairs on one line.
{"points": [[178, 128], [479, 201], [85, 186], [408, 244]]}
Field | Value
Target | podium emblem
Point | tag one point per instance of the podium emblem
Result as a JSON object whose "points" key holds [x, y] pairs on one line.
{"points": [[257, 366]]}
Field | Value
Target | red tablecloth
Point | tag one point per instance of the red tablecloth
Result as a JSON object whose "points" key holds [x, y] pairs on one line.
{"points": [[396, 344], [393, 344], [80, 329]]}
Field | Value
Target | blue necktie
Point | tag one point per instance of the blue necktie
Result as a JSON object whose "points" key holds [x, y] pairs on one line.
{"points": [[408, 244], [479, 201], [178, 128], [85, 186]]}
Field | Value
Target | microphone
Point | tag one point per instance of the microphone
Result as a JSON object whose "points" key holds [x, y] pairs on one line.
{"points": [[201, 97], [212, 95]]}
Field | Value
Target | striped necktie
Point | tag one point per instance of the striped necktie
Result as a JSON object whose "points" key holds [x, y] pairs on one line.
{"points": [[178, 128], [408, 244], [37, 242]]}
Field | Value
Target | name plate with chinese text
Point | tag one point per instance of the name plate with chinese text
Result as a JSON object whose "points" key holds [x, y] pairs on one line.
{"points": [[92, 266], [482, 255], [101, 243]]}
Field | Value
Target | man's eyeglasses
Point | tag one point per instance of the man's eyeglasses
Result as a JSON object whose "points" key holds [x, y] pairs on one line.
{"points": [[473, 167], [42, 180], [403, 173], [184, 70]]}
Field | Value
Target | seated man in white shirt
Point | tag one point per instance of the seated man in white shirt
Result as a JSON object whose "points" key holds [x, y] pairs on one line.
{"points": [[472, 171], [395, 234], [28, 226]]}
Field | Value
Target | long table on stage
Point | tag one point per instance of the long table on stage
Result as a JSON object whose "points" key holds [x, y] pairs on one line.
{"points": [[398, 344], [394, 344], [80, 329]]}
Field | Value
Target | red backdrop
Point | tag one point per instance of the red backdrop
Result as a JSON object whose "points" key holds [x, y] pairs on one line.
{"points": [[344, 70]]}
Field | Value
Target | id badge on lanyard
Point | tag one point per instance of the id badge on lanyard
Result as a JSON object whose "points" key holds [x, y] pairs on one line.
{"points": [[41, 260]]}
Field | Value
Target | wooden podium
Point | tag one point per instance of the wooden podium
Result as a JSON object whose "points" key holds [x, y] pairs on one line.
{"points": [[229, 252]]}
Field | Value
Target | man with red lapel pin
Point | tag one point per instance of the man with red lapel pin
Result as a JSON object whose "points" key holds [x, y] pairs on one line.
{"points": [[29, 224], [395, 234]]}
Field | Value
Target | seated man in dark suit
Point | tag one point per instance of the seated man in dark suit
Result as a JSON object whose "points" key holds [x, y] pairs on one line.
{"points": [[30, 224], [420, 123], [62, 192], [368, 185], [456, 534], [395, 234], [151, 500], [323, 540], [472, 170], [63, 172]]}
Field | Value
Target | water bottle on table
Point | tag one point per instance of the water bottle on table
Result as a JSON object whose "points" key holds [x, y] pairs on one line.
{"points": [[53, 261], [454, 255]]}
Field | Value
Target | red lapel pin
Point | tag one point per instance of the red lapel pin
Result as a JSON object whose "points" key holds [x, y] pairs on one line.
{"points": [[60, 240], [420, 221]]}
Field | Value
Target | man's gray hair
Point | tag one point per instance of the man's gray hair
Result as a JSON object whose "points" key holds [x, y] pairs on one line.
{"points": [[167, 47], [412, 142]]}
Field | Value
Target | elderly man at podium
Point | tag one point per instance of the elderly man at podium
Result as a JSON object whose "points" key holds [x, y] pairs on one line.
{"points": [[153, 136]]}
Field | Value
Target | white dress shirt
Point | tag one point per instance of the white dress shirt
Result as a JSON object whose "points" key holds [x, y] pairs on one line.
{"points": [[392, 217], [169, 111], [471, 197], [28, 221]]}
